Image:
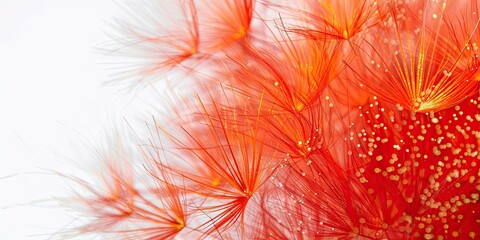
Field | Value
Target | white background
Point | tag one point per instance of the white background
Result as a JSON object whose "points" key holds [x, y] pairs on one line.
{"points": [[51, 95]]}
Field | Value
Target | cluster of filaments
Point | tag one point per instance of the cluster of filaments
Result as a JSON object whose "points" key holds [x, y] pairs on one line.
{"points": [[312, 119]]}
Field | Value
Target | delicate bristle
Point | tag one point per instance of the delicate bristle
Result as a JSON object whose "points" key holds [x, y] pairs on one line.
{"points": [[411, 62]]}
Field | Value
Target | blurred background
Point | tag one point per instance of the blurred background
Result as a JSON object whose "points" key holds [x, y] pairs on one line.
{"points": [[51, 97]]}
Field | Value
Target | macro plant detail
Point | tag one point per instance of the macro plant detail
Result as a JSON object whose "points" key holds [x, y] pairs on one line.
{"points": [[328, 119]]}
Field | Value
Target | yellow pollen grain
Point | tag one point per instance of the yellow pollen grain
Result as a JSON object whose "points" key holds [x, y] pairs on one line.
{"points": [[215, 182], [193, 51], [241, 32], [345, 34], [181, 223]]}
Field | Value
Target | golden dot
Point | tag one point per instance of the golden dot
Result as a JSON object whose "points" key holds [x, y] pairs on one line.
{"points": [[428, 236]]}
